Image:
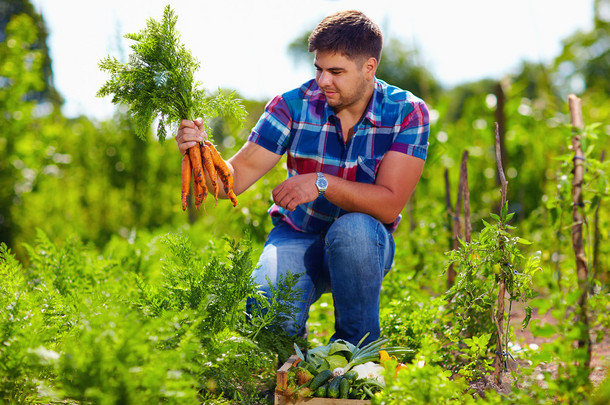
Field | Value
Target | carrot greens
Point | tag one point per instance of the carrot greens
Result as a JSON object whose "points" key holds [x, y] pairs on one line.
{"points": [[158, 81]]}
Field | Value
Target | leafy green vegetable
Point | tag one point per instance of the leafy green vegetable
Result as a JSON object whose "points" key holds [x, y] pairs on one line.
{"points": [[336, 360], [158, 81]]}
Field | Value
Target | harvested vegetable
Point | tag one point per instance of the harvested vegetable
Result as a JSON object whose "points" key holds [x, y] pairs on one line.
{"points": [[157, 82], [223, 171], [186, 179], [320, 379], [200, 187], [343, 370], [208, 163]]}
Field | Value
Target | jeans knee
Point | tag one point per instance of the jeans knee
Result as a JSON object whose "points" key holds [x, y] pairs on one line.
{"points": [[355, 227]]}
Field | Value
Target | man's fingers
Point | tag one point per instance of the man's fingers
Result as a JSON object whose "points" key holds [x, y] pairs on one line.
{"points": [[186, 146]]}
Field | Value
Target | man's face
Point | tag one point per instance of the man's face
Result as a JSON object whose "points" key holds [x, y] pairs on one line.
{"points": [[342, 80]]}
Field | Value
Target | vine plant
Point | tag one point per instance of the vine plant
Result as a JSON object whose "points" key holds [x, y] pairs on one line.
{"points": [[491, 266], [494, 255]]}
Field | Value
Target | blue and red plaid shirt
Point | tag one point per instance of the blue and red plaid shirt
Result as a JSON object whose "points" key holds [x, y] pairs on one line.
{"points": [[301, 124]]}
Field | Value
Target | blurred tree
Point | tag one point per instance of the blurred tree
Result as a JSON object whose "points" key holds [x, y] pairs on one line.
{"points": [[402, 67], [9, 8], [20, 74], [584, 62]]}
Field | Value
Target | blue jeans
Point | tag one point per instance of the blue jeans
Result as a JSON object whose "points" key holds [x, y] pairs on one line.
{"points": [[349, 261]]}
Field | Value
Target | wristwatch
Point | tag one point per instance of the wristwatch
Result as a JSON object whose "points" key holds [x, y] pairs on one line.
{"points": [[321, 183]]}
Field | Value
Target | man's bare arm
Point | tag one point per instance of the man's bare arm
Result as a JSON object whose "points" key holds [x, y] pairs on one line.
{"points": [[249, 164], [396, 179]]}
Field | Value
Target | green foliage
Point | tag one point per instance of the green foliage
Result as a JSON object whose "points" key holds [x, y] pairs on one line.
{"points": [[412, 321], [494, 255], [421, 384], [216, 290], [584, 58], [137, 308], [20, 76], [477, 363], [599, 305], [570, 384], [271, 311], [158, 80], [76, 325], [15, 382]]}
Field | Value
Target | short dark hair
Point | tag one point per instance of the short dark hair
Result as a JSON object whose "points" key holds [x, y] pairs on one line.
{"points": [[348, 32]]}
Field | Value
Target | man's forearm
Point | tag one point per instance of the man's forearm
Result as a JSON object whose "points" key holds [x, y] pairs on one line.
{"points": [[377, 201]]}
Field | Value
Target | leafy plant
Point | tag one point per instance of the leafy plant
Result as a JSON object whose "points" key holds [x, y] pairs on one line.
{"points": [[493, 255], [421, 383], [477, 364], [158, 80]]}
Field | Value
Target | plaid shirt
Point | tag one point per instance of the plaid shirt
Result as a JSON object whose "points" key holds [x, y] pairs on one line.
{"points": [[301, 124]]}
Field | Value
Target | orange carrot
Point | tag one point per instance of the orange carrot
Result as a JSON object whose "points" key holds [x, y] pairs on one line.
{"points": [[199, 186], [208, 164], [186, 179], [201, 192], [224, 173]]}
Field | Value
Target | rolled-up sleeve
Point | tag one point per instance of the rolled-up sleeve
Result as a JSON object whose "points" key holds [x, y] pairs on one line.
{"points": [[414, 131], [272, 131]]}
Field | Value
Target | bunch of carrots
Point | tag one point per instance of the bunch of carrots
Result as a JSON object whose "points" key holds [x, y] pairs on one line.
{"points": [[197, 161], [158, 82]]}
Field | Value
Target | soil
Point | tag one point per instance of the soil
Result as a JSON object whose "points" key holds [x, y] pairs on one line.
{"points": [[600, 351], [600, 354]]}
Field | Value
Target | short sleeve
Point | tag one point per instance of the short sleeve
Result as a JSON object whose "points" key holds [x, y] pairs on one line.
{"points": [[272, 131], [414, 131]]}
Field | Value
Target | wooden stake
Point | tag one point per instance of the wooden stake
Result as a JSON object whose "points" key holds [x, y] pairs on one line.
{"points": [[597, 236], [577, 221], [500, 125], [499, 359], [499, 164], [451, 228], [466, 196]]}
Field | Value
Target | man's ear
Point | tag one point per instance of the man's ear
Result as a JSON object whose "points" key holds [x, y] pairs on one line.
{"points": [[370, 67]]}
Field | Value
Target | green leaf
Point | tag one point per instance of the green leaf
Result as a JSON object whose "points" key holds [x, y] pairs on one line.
{"points": [[339, 347], [543, 305], [527, 318], [545, 331], [504, 211], [299, 352], [336, 360], [572, 297]]}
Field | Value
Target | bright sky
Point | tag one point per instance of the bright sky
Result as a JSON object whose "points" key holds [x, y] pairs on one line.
{"points": [[242, 44]]}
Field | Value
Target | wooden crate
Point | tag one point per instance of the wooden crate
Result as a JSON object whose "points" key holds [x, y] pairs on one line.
{"points": [[282, 383]]}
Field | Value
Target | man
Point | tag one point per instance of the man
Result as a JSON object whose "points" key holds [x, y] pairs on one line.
{"points": [[355, 149]]}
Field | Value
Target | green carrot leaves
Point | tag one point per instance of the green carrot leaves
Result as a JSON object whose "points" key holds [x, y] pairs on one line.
{"points": [[158, 81]]}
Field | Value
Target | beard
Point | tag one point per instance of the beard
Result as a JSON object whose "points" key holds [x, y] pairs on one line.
{"points": [[343, 99]]}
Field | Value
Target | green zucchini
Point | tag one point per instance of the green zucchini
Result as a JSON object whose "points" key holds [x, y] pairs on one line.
{"points": [[321, 391], [320, 379], [333, 387], [344, 388], [351, 375]]}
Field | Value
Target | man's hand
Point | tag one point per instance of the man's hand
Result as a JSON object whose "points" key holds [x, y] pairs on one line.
{"points": [[299, 189], [189, 134]]}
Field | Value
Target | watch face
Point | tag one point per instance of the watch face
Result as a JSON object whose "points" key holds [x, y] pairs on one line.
{"points": [[321, 183]]}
